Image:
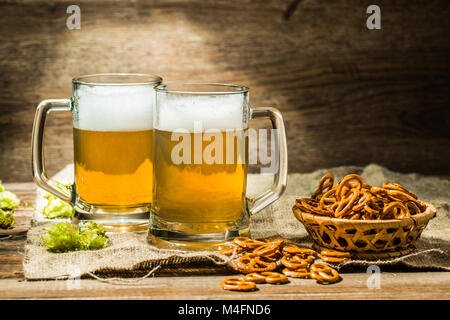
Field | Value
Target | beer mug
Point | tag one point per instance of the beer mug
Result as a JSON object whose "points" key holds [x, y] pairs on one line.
{"points": [[113, 149], [201, 161]]}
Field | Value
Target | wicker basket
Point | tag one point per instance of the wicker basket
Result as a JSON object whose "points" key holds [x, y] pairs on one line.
{"points": [[366, 239]]}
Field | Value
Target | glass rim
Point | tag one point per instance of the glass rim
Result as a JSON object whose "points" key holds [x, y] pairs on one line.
{"points": [[176, 88], [146, 79]]}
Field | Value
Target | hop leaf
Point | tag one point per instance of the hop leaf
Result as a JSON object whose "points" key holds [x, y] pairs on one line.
{"points": [[8, 200], [7, 220], [56, 208], [62, 237]]}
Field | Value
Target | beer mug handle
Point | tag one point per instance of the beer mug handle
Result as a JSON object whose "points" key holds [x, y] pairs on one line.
{"points": [[280, 179], [37, 150]]}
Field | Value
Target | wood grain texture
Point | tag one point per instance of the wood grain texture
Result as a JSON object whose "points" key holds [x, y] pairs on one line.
{"points": [[349, 95], [201, 284], [394, 286]]}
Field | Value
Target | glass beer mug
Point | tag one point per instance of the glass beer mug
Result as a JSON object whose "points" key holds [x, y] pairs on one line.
{"points": [[200, 167], [113, 149]]}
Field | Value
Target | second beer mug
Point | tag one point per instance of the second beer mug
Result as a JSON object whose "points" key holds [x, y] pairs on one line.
{"points": [[201, 160], [113, 149]]}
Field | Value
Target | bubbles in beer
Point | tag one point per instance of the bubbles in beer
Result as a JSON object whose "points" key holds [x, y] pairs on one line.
{"points": [[114, 108], [219, 112]]}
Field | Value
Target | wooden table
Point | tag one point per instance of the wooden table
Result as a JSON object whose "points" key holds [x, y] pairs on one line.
{"points": [[394, 285]]}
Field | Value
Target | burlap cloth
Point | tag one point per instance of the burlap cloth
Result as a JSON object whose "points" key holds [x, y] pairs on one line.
{"points": [[129, 255]]}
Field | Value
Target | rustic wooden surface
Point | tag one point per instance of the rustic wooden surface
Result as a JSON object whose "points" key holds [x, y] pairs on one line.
{"points": [[394, 285], [349, 95]]}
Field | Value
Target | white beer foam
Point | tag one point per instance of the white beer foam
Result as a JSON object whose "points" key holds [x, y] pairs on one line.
{"points": [[114, 108], [219, 112]]}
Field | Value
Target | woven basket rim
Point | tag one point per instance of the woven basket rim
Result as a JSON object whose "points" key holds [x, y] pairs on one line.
{"points": [[429, 213]]}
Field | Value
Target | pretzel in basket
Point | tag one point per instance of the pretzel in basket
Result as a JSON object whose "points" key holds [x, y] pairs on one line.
{"points": [[354, 199], [325, 183], [352, 181], [237, 284], [396, 210]]}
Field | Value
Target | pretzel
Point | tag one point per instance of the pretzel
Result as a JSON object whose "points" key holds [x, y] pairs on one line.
{"points": [[299, 273], [334, 259], [346, 182], [245, 242], [316, 267], [296, 262], [268, 249], [311, 205], [294, 250], [413, 208], [328, 199], [323, 273], [333, 253], [346, 204], [334, 256], [363, 200], [354, 199], [237, 284], [325, 183], [250, 263], [275, 277], [255, 277], [396, 210], [273, 256], [396, 186], [356, 216], [231, 248]]}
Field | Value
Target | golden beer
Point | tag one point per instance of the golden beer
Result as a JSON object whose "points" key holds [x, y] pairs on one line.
{"points": [[200, 165], [114, 167], [210, 197]]}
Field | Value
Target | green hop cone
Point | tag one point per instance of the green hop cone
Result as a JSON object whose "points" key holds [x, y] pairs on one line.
{"points": [[92, 226], [62, 237], [2, 188], [7, 220], [90, 240], [8, 200], [56, 208], [93, 236]]}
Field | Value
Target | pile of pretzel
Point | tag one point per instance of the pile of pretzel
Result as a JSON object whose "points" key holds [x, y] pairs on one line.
{"points": [[261, 259], [352, 198]]}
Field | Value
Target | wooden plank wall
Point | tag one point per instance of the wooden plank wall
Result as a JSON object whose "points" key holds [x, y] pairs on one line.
{"points": [[349, 95]]}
